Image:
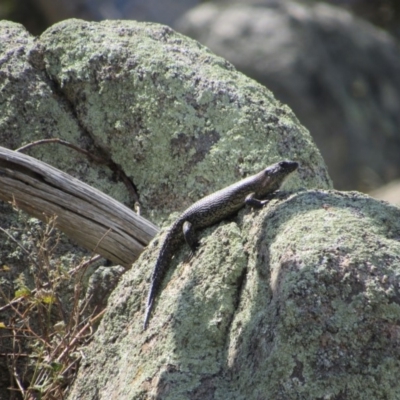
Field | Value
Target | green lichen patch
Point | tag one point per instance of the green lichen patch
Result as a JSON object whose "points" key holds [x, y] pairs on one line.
{"points": [[299, 300], [170, 112], [324, 309]]}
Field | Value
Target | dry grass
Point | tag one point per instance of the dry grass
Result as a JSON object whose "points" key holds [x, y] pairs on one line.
{"points": [[45, 334]]}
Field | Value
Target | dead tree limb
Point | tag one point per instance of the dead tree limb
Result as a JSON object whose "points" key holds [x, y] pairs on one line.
{"points": [[91, 218]]}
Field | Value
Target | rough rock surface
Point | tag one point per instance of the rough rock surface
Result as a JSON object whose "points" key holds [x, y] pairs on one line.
{"points": [[339, 74], [298, 301], [165, 109], [179, 121]]}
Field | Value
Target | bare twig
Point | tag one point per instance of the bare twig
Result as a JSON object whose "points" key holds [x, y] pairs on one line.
{"points": [[99, 160], [14, 364], [84, 265], [79, 334], [89, 155]]}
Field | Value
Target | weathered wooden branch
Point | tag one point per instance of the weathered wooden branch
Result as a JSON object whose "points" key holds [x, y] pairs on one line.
{"points": [[91, 218]]}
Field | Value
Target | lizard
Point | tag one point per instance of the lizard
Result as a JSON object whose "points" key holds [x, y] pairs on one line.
{"points": [[212, 209]]}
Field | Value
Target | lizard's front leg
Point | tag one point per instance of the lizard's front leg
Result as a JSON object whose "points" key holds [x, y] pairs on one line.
{"points": [[253, 202]]}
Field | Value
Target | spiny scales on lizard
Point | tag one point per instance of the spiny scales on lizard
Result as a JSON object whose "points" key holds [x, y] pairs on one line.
{"points": [[211, 209]]}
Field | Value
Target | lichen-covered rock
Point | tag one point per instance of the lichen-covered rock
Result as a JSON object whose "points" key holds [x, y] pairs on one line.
{"points": [[298, 301], [158, 104], [32, 108], [171, 113], [322, 61]]}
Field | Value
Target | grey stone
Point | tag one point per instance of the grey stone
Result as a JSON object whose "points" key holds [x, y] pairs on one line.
{"points": [[297, 300], [338, 73]]}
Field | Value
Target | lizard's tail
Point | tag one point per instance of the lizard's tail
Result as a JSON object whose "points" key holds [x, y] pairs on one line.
{"points": [[149, 306], [172, 240]]}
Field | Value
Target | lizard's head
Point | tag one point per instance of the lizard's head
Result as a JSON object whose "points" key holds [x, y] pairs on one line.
{"points": [[275, 174]]}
